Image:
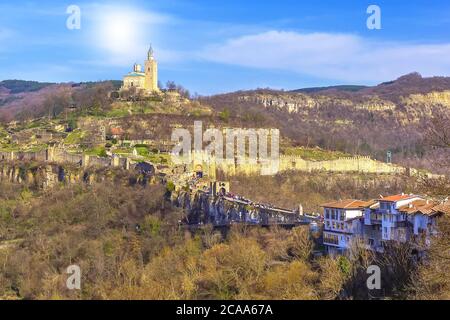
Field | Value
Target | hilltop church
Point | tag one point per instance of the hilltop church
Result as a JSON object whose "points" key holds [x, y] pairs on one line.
{"points": [[146, 81]]}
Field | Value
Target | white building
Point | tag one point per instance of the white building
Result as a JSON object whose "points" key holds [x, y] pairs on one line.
{"points": [[342, 224], [422, 215], [399, 218], [395, 222], [372, 229]]}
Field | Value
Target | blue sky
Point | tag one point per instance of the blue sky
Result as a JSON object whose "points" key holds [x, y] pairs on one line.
{"points": [[219, 46]]}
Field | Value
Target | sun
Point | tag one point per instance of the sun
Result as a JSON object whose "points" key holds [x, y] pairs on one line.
{"points": [[118, 31]]}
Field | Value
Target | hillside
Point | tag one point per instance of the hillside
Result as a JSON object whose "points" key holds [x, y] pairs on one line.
{"points": [[23, 100], [393, 116], [355, 120]]}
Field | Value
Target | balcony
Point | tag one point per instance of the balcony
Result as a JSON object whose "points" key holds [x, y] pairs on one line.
{"points": [[373, 219], [399, 224]]}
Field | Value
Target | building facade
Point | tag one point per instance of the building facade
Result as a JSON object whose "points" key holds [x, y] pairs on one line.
{"points": [[342, 224], [398, 218]]}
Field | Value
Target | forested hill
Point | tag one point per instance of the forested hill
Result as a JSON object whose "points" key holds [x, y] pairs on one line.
{"points": [[393, 116], [21, 86], [407, 84], [21, 99]]}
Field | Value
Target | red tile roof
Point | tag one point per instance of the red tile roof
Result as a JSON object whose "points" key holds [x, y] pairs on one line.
{"points": [[443, 208], [425, 207], [373, 204], [397, 197], [117, 131], [346, 204], [418, 206]]}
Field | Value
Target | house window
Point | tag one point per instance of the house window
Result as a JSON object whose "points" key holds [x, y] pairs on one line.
{"points": [[331, 238]]}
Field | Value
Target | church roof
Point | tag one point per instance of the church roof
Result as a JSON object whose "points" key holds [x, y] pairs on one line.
{"points": [[135, 74]]}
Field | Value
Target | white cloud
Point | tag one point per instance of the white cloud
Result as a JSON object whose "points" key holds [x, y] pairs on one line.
{"points": [[343, 57]]}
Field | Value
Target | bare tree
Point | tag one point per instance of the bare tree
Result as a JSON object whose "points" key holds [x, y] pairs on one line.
{"points": [[438, 133], [431, 281]]}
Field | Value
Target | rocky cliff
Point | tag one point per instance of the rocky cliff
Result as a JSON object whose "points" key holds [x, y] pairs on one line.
{"points": [[47, 175]]}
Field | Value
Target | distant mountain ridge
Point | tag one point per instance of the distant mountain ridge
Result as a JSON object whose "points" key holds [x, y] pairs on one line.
{"points": [[21, 86], [350, 88], [407, 84]]}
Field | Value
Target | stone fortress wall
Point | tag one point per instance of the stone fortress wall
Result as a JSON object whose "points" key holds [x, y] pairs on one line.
{"points": [[363, 164], [209, 165], [58, 155], [346, 164]]}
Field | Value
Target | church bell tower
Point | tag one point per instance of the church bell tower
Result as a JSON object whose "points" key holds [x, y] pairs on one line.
{"points": [[151, 72]]}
